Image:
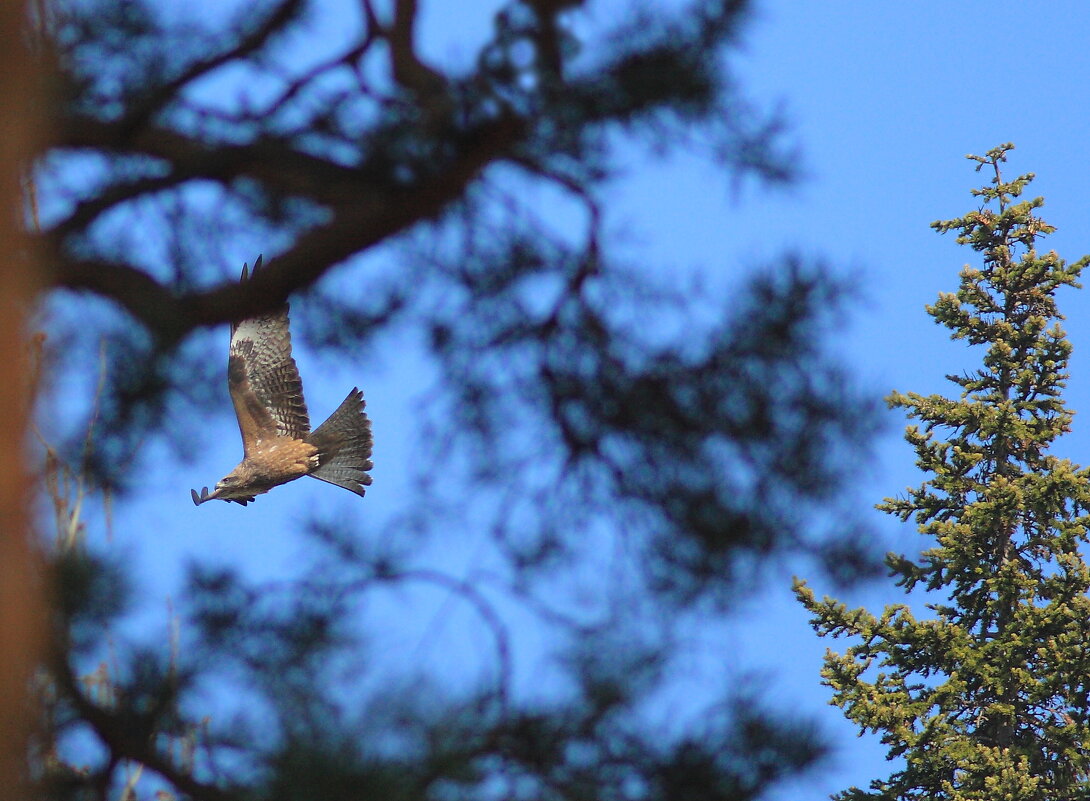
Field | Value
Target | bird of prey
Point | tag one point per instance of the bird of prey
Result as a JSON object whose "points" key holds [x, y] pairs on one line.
{"points": [[277, 443]]}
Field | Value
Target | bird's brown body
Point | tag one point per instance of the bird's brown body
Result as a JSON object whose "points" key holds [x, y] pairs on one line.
{"points": [[278, 445], [279, 461]]}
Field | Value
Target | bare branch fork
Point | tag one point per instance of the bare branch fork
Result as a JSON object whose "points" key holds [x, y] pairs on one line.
{"points": [[356, 225], [362, 213]]}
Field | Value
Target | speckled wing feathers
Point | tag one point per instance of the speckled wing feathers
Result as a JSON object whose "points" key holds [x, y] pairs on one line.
{"points": [[262, 375]]}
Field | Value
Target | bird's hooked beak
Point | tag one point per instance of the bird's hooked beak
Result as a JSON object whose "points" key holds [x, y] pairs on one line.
{"points": [[204, 496]]}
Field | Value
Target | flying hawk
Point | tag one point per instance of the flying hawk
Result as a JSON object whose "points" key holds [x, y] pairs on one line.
{"points": [[277, 443]]}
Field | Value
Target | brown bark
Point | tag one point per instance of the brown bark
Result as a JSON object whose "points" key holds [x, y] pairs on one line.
{"points": [[21, 600]]}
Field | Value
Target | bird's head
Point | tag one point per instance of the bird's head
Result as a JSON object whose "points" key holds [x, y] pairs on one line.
{"points": [[230, 488]]}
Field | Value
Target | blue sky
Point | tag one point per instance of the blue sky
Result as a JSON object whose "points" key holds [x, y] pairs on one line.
{"points": [[884, 100]]}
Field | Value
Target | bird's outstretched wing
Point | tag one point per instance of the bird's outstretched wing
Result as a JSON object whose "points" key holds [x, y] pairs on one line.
{"points": [[263, 379]]}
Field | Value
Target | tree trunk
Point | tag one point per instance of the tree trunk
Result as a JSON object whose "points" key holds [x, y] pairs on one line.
{"points": [[22, 616]]}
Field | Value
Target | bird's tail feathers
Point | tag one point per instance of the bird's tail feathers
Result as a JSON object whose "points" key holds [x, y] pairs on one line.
{"points": [[344, 445]]}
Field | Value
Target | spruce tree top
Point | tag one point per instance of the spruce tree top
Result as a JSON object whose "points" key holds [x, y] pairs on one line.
{"points": [[1011, 409], [988, 699]]}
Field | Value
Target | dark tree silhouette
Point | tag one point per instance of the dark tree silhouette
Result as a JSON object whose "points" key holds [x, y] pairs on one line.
{"points": [[184, 144]]}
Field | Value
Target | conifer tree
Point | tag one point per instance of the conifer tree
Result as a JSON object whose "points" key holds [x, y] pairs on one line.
{"points": [[987, 698]]}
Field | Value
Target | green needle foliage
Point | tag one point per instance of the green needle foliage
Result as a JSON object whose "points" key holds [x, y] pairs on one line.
{"points": [[986, 699]]}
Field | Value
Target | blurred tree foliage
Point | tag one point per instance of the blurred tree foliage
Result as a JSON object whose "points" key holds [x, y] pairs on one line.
{"points": [[987, 699], [603, 405]]}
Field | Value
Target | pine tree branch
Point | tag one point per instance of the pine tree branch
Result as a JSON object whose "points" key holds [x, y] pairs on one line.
{"points": [[274, 163], [280, 16], [356, 225], [122, 743]]}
